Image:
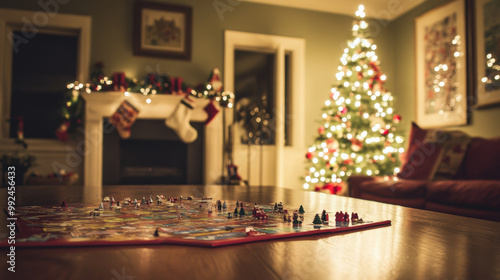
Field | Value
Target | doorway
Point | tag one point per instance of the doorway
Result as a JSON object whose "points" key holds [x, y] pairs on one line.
{"points": [[266, 74]]}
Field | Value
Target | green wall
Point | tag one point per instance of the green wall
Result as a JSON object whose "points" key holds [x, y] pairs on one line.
{"points": [[401, 32], [112, 23], [325, 35]]}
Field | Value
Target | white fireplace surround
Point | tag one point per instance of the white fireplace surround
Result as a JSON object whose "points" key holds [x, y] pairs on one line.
{"points": [[161, 106]]}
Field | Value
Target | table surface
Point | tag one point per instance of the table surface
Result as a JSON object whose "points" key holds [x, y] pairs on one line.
{"points": [[418, 245]]}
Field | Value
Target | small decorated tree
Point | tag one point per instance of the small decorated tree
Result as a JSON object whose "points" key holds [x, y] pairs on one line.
{"points": [[317, 220]]}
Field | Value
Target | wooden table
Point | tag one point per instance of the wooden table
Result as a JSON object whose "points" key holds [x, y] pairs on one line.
{"points": [[418, 245]]}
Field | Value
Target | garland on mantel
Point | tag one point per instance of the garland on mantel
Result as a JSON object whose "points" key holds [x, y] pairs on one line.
{"points": [[153, 83]]}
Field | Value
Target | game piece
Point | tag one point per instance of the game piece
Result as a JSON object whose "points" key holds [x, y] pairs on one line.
{"points": [[156, 233], [106, 199], [296, 221], [127, 199], [160, 201], [250, 231], [143, 201], [126, 225], [242, 212], [190, 197], [346, 217], [323, 216], [317, 221], [151, 199], [101, 206], [63, 204], [276, 206], [236, 210], [280, 207], [219, 205], [260, 214], [135, 201], [354, 217], [301, 210], [237, 204], [118, 203], [113, 200], [224, 206]]}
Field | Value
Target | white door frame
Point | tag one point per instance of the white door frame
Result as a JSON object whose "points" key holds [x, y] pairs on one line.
{"points": [[237, 40]]}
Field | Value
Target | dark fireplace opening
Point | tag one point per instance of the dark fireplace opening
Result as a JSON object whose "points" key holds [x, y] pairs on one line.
{"points": [[153, 155]]}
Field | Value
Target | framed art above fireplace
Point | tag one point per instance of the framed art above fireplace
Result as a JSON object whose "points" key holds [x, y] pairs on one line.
{"points": [[162, 30]]}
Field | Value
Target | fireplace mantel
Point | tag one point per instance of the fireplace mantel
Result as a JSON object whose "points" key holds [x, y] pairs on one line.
{"points": [[160, 106]]}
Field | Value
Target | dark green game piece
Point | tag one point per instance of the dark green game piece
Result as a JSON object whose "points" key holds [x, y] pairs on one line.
{"points": [[317, 220]]}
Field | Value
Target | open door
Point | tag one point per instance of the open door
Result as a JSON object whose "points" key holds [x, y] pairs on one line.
{"points": [[266, 74]]}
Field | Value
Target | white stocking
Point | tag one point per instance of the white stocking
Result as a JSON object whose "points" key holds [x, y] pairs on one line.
{"points": [[179, 121]]}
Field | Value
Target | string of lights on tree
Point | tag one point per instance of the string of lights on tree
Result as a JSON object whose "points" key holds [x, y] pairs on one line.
{"points": [[153, 83], [358, 134]]}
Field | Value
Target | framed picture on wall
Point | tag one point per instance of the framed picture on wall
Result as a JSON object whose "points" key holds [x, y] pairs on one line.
{"points": [[441, 62], [487, 45], [162, 30]]}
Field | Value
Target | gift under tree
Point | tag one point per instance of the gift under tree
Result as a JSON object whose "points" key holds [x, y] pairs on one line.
{"points": [[358, 134]]}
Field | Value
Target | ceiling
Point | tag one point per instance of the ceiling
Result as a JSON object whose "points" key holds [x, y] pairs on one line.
{"points": [[384, 9]]}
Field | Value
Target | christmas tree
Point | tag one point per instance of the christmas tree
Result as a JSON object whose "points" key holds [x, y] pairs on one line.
{"points": [[358, 134]]}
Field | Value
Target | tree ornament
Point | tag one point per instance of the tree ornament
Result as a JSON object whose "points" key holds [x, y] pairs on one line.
{"points": [[332, 145], [321, 130], [309, 155], [356, 145]]}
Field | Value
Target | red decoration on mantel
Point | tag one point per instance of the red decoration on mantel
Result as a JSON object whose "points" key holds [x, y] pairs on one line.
{"points": [[211, 111], [119, 83]]}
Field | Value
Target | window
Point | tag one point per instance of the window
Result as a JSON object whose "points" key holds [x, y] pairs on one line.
{"points": [[41, 69]]}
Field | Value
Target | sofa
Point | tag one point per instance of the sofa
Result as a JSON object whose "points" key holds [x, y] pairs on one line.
{"points": [[471, 188]]}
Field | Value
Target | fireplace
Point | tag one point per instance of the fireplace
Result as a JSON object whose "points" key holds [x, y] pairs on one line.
{"points": [[154, 108], [153, 155]]}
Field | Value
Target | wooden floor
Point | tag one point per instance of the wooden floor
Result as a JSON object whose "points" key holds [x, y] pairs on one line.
{"points": [[418, 245]]}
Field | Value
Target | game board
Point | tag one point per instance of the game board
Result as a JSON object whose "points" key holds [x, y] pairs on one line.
{"points": [[199, 222]]}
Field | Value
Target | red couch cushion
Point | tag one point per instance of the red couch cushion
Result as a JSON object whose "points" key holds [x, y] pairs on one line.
{"points": [[397, 189], [483, 194], [421, 160], [482, 160], [417, 136]]}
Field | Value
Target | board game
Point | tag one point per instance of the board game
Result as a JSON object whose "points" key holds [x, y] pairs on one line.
{"points": [[179, 220]]}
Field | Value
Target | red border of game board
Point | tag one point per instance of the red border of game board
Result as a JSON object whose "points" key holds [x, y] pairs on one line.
{"points": [[202, 243]]}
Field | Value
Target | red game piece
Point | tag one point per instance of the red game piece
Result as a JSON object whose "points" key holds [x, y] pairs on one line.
{"points": [[63, 204]]}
